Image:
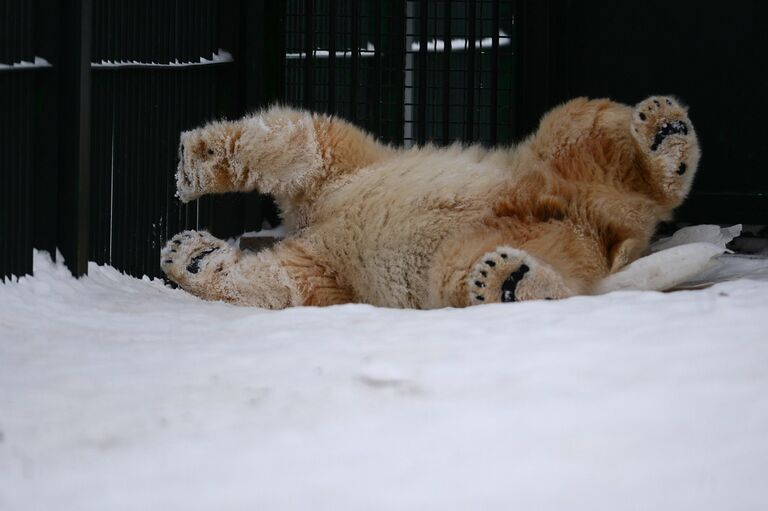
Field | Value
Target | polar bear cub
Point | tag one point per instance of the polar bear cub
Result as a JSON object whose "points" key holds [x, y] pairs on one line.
{"points": [[434, 227]]}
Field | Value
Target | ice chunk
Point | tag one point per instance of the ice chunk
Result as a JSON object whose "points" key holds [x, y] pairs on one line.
{"points": [[663, 269], [714, 234]]}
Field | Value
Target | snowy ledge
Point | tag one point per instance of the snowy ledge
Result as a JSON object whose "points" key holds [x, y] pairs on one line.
{"points": [[219, 57], [486, 43], [433, 46], [38, 63], [368, 51]]}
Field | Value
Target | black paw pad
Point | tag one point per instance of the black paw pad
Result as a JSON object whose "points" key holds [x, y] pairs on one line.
{"points": [[194, 264], [667, 129], [510, 285]]}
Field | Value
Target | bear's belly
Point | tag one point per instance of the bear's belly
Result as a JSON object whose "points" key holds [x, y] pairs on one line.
{"points": [[389, 265], [383, 228]]}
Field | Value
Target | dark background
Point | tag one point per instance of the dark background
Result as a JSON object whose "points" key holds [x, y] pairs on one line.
{"points": [[88, 153]]}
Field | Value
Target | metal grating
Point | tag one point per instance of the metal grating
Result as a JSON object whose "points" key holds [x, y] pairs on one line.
{"points": [[411, 72], [346, 57]]}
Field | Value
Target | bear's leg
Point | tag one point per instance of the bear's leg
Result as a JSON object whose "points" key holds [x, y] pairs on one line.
{"points": [[464, 276], [283, 276], [509, 260], [668, 145], [288, 153]]}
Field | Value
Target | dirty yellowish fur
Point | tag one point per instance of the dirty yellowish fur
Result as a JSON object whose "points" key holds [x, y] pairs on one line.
{"points": [[434, 227]]}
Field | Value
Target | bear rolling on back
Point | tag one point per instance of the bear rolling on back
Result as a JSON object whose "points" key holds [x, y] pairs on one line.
{"points": [[434, 227]]}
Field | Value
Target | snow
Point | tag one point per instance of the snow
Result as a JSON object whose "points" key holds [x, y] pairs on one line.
{"points": [[368, 51], [24, 64], [433, 45], [681, 260], [713, 234], [219, 57], [121, 394], [663, 270], [438, 45]]}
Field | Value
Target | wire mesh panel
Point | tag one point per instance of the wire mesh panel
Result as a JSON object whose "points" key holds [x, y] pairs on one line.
{"points": [[411, 71], [345, 57], [17, 83], [459, 68]]}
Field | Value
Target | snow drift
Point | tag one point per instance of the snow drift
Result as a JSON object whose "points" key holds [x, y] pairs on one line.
{"points": [[121, 394]]}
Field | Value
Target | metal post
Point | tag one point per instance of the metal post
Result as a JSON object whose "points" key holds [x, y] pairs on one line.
{"points": [[74, 127]]}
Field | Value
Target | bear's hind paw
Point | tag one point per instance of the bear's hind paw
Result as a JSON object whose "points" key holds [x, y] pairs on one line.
{"points": [[510, 275], [666, 138]]}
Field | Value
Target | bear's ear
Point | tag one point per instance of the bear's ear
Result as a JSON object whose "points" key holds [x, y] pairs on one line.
{"points": [[623, 253]]}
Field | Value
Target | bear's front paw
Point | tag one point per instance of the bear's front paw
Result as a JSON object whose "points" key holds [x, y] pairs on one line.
{"points": [[666, 138], [188, 254], [510, 275]]}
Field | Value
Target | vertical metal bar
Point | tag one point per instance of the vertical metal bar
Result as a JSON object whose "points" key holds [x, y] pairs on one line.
{"points": [[174, 124], [309, 53], [26, 192], [16, 172], [398, 49], [495, 73], [5, 167], [377, 20], [409, 69], [355, 80], [447, 75], [469, 118], [11, 167], [76, 99], [143, 138], [10, 163], [96, 195], [421, 132], [331, 56]]}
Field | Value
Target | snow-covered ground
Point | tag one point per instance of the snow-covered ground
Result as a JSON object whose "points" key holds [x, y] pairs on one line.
{"points": [[122, 394]]}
